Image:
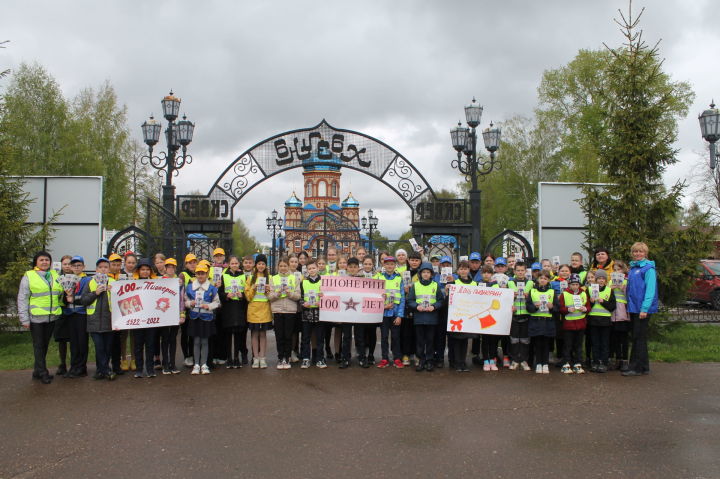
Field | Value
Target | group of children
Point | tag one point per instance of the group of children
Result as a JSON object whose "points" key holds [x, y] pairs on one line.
{"points": [[578, 313]]}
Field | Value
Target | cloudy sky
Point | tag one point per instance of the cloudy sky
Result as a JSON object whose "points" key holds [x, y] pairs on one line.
{"points": [[400, 71]]}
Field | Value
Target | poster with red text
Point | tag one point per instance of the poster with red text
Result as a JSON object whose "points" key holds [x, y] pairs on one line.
{"points": [[477, 309], [350, 299], [145, 303]]}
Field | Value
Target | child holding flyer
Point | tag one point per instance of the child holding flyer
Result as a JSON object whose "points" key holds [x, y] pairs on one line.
{"points": [[201, 299], [186, 341], [620, 318], [61, 332], [425, 298], [284, 295], [394, 312], [443, 279], [541, 304], [233, 311], [310, 301], [460, 340], [603, 304], [574, 305], [407, 327], [519, 337], [259, 314], [96, 299]]}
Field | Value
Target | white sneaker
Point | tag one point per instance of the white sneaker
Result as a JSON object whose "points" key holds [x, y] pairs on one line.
{"points": [[255, 363], [196, 369], [263, 363], [287, 365], [204, 369], [525, 366], [294, 358], [514, 366], [538, 369], [281, 364], [220, 361], [189, 361], [545, 369], [305, 364]]}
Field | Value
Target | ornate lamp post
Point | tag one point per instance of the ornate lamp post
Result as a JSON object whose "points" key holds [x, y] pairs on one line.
{"points": [[177, 135], [464, 141], [274, 224], [710, 130], [369, 224]]}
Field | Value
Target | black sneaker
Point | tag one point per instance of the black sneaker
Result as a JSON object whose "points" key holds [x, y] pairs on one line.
{"points": [[244, 360], [371, 359], [429, 366], [98, 376], [477, 360], [364, 364], [46, 379], [111, 376], [61, 370], [439, 363], [344, 364], [420, 367], [157, 365]]}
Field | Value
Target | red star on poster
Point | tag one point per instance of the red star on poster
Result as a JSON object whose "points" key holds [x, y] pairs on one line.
{"points": [[350, 304]]}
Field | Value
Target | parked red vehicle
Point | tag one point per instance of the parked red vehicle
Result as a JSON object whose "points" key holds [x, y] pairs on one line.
{"points": [[706, 288]]}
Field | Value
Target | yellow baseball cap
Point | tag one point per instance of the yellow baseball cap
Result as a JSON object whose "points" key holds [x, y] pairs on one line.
{"points": [[205, 262], [171, 261], [218, 251], [114, 257], [202, 268], [190, 257]]}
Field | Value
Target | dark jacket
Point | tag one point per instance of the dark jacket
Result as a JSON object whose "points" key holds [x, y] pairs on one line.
{"points": [[576, 324], [425, 317], [233, 312], [610, 305], [101, 320]]}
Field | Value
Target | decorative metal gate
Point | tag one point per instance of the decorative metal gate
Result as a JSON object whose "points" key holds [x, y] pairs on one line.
{"points": [[512, 242]]}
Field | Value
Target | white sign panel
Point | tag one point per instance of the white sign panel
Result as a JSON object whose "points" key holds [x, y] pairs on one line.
{"points": [[350, 299], [145, 303], [478, 309]]}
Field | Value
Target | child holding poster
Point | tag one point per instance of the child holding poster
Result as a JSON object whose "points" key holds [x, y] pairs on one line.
{"points": [[310, 301], [603, 304], [284, 295], [574, 305], [620, 318], [489, 342], [369, 340], [346, 329], [460, 340], [425, 298], [144, 338], [444, 264], [541, 303], [519, 337], [393, 314], [201, 299], [259, 314]]}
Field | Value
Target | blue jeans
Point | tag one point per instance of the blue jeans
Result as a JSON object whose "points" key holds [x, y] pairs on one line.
{"points": [[387, 328], [103, 350]]}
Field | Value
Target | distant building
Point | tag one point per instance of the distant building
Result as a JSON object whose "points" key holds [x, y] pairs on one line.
{"points": [[321, 220]]}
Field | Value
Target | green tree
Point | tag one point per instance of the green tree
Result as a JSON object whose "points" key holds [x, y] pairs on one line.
{"points": [[243, 242], [641, 107]]}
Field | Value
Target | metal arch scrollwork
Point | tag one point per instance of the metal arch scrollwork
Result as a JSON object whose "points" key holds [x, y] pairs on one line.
{"points": [[463, 166], [163, 163], [405, 183], [242, 169], [485, 167]]}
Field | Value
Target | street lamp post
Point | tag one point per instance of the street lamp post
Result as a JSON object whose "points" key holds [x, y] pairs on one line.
{"points": [[177, 135], [369, 224], [710, 130], [464, 141], [273, 224]]}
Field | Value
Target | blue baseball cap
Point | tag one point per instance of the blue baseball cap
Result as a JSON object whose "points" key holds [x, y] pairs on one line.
{"points": [[475, 256], [536, 266], [77, 259], [501, 261], [446, 259], [101, 260]]}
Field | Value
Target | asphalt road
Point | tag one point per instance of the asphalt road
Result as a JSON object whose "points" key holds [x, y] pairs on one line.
{"points": [[364, 423]]}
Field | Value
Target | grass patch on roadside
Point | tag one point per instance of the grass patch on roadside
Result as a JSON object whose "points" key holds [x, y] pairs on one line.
{"points": [[678, 341], [16, 352]]}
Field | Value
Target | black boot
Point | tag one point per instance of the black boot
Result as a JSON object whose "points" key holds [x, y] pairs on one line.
{"points": [[420, 366], [61, 370]]}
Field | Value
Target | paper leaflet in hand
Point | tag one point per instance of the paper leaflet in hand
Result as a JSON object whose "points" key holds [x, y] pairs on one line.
{"points": [[594, 291], [260, 284], [520, 294], [617, 279], [577, 301], [313, 297], [368, 274], [342, 272], [436, 269], [298, 276], [331, 267], [425, 300], [556, 261], [447, 275], [57, 266], [463, 258], [544, 303], [415, 246], [234, 287], [518, 256], [283, 283], [501, 279], [563, 285], [304, 270], [407, 278], [68, 281], [217, 273], [101, 278]]}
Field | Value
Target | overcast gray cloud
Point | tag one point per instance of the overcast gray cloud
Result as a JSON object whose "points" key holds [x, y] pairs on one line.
{"points": [[400, 71]]}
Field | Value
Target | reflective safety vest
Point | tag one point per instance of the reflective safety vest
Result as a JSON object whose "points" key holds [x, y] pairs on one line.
{"points": [[44, 297], [519, 301], [537, 296], [426, 293], [569, 300], [277, 283], [620, 295], [392, 289], [239, 285], [400, 268], [459, 282], [186, 277], [308, 286], [598, 309], [93, 287], [260, 294]]}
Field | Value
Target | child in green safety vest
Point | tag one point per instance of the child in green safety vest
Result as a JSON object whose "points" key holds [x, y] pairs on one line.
{"points": [[519, 338], [310, 295], [425, 298], [284, 295], [603, 304], [574, 305], [541, 303], [620, 330], [457, 340]]}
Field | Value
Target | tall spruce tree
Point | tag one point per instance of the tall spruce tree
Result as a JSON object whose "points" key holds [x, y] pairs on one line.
{"points": [[642, 106]]}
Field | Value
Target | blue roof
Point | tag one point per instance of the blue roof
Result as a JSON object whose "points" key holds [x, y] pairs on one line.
{"points": [[334, 207], [350, 202], [328, 164], [309, 206], [293, 201], [443, 239]]}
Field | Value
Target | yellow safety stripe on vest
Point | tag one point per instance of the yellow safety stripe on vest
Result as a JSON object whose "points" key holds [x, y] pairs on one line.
{"points": [[569, 299], [41, 301], [429, 292], [277, 281], [537, 297], [598, 309], [228, 281]]}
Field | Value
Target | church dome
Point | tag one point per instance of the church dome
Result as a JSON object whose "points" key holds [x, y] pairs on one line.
{"points": [[315, 163], [350, 202], [293, 201]]}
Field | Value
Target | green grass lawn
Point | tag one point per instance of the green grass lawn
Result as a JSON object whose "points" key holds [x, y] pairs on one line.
{"points": [[671, 342]]}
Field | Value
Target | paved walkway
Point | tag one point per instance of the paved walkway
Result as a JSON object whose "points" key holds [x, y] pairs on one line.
{"points": [[364, 423]]}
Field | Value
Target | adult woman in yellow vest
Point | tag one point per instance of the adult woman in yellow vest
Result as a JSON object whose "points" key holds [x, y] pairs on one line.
{"points": [[233, 311], [259, 316], [39, 303], [599, 320]]}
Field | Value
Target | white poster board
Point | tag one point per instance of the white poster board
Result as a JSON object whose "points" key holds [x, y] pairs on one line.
{"points": [[350, 299], [145, 303], [478, 309]]}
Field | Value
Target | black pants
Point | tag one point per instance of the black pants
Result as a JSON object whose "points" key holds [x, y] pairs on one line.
{"points": [[235, 341], [424, 342], [440, 339], [489, 346], [600, 343], [284, 327], [318, 329], [541, 344], [407, 336], [639, 360], [572, 346], [371, 338], [390, 332], [475, 349], [41, 334], [346, 330], [460, 348], [115, 351], [588, 344], [559, 342], [103, 350], [186, 342], [144, 341], [78, 342], [619, 344], [218, 342], [519, 340], [168, 346], [360, 331]]}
